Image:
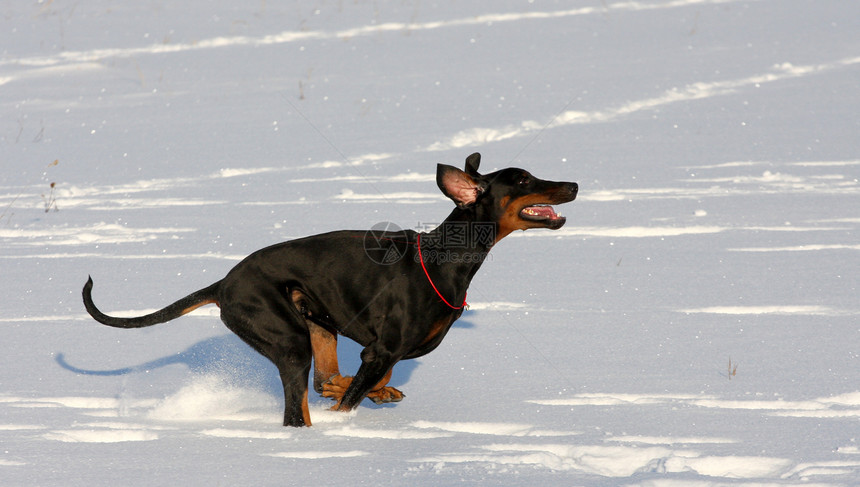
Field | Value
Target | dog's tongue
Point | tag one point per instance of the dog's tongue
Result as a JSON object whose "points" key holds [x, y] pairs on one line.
{"points": [[540, 211]]}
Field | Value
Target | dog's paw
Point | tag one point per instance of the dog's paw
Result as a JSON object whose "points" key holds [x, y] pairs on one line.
{"points": [[336, 386], [385, 394]]}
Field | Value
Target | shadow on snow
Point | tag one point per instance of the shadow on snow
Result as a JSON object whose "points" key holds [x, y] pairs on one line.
{"points": [[228, 355]]}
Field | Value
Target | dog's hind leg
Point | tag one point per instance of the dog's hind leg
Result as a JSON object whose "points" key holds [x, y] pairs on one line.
{"points": [[282, 337], [323, 342], [295, 379]]}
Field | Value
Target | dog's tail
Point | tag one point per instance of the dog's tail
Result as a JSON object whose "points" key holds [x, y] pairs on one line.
{"points": [[183, 306]]}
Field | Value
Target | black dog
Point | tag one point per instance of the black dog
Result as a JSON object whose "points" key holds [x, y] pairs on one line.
{"points": [[395, 293]]}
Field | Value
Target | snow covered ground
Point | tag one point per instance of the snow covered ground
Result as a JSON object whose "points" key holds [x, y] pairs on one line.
{"points": [[695, 323]]}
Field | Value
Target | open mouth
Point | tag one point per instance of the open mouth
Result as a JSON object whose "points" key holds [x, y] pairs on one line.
{"points": [[542, 213]]}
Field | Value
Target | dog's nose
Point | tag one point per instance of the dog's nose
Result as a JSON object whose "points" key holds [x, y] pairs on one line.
{"points": [[573, 188]]}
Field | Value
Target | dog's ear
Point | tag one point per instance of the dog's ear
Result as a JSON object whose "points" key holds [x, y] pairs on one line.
{"points": [[472, 163], [457, 185]]}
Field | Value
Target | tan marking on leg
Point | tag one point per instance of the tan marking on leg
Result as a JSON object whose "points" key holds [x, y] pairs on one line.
{"points": [[306, 414], [384, 381], [336, 386], [324, 345], [383, 393], [435, 330]]}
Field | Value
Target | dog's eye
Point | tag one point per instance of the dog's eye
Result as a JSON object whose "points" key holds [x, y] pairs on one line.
{"points": [[524, 180]]}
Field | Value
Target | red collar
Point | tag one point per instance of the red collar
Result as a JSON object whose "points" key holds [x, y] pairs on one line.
{"points": [[421, 259]]}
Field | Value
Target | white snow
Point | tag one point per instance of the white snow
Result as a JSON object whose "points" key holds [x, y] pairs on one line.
{"points": [[695, 323]]}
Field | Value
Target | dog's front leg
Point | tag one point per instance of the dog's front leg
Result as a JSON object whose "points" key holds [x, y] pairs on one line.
{"points": [[376, 364]]}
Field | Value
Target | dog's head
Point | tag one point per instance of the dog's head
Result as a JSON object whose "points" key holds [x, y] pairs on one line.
{"points": [[512, 198]]}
